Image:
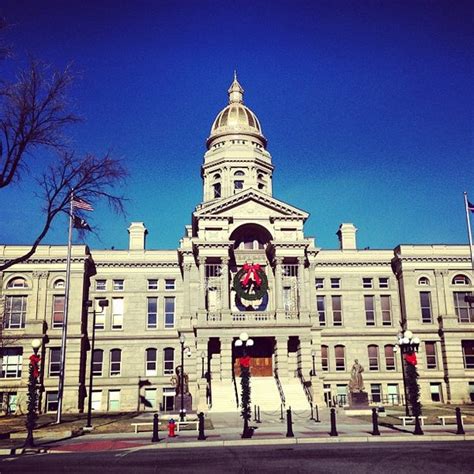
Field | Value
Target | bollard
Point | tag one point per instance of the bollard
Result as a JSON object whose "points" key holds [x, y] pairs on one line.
{"points": [[418, 430], [317, 420], [281, 412], [289, 424], [255, 413], [460, 430], [201, 436], [156, 437], [333, 423], [258, 415], [375, 422]]}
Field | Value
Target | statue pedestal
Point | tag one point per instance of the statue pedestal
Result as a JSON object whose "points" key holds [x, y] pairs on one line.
{"points": [[187, 403], [358, 404]]}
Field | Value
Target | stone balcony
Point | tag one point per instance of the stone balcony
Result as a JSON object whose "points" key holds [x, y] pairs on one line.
{"points": [[251, 318]]}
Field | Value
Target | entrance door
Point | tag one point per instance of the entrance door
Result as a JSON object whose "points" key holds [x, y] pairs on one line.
{"points": [[259, 367]]}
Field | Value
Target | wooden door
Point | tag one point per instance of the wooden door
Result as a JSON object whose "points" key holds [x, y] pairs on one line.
{"points": [[259, 367]]}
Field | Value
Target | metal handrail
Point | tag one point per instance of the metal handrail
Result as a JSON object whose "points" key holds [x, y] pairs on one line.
{"points": [[307, 391], [235, 388], [279, 386]]}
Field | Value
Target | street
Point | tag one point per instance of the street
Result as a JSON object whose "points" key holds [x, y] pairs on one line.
{"points": [[389, 457]]}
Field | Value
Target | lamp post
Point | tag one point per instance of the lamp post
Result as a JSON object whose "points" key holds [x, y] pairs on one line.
{"points": [[244, 341], [313, 371], [32, 415], [203, 356], [182, 340], [102, 304]]}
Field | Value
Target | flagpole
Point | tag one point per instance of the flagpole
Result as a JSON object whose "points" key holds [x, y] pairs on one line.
{"points": [[66, 308], [469, 231]]}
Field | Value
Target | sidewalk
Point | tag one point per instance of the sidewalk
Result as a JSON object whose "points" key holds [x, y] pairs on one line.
{"points": [[271, 431]]}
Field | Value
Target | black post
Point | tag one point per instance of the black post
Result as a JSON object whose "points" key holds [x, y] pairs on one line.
{"points": [[201, 436], [312, 413], [181, 413], [333, 423], [32, 415], [460, 430], [289, 424], [317, 415], [281, 412], [375, 422], [258, 415], [156, 437], [91, 374], [255, 413], [418, 430]]}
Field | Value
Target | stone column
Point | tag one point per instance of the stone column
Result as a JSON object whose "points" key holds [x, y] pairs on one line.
{"points": [[312, 289], [187, 290], [202, 284], [304, 356], [278, 284], [303, 301], [281, 356], [225, 283], [226, 358]]}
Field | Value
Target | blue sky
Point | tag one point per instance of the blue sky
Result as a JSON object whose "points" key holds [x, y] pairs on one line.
{"points": [[367, 107]]}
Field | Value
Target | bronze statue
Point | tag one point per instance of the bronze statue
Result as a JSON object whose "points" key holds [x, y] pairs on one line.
{"points": [[176, 381], [356, 384]]}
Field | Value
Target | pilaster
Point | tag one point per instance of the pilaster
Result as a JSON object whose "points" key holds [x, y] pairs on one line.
{"points": [[226, 358], [281, 356]]}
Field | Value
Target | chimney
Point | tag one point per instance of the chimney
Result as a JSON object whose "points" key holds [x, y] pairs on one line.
{"points": [[137, 231], [347, 236]]}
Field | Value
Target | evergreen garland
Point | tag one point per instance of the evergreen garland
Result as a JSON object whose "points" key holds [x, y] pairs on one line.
{"points": [[411, 375], [32, 399], [246, 411], [259, 293]]}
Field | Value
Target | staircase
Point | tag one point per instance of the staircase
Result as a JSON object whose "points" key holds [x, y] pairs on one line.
{"points": [[223, 396], [264, 393], [294, 394]]}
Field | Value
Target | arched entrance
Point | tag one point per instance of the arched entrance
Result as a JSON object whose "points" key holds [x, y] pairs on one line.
{"points": [[261, 357]]}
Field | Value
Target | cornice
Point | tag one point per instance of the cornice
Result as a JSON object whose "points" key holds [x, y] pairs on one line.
{"points": [[137, 264], [352, 264]]}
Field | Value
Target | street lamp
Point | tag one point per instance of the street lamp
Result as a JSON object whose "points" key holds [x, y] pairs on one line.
{"points": [[182, 340], [103, 303], [32, 393], [313, 355], [244, 341]]}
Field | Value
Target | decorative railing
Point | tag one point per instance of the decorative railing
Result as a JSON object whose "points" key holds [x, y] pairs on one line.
{"points": [[280, 388], [249, 316]]}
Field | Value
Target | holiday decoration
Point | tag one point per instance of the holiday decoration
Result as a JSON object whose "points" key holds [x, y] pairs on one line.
{"points": [[246, 411], [250, 282], [411, 376], [411, 358]]}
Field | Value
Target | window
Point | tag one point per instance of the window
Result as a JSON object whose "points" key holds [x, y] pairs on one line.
{"points": [[217, 190], [461, 280], [463, 310], [15, 312], [335, 283], [151, 362], [425, 307], [96, 401], [239, 173], [118, 285], [59, 285], [369, 310], [373, 357], [152, 285], [17, 283], [340, 356], [238, 185], [423, 281], [321, 310], [51, 402], [117, 313], [54, 362], [169, 312], [168, 361], [386, 310], [337, 310], [150, 397], [114, 400], [431, 361], [383, 283], [99, 315], [325, 358], [471, 391], [341, 394], [435, 390], [389, 358], [376, 392], [9, 402], [392, 393], [100, 285], [367, 283], [58, 311], [152, 316], [170, 284], [12, 360], [319, 283], [115, 362], [97, 360], [468, 354], [288, 300]]}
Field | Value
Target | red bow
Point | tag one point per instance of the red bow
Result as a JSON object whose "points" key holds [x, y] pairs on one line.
{"points": [[411, 358], [245, 361], [251, 270], [35, 360]]}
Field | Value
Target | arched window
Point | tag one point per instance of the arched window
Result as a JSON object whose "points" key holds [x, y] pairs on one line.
{"points": [[461, 280], [239, 173], [216, 176], [389, 357], [423, 281], [115, 362], [151, 362], [168, 361], [17, 282], [340, 355], [59, 284], [373, 357]]}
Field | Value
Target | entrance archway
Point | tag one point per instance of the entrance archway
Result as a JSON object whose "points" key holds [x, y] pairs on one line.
{"points": [[261, 357]]}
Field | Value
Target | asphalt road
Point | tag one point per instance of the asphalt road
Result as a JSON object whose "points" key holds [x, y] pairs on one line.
{"points": [[346, 458]]}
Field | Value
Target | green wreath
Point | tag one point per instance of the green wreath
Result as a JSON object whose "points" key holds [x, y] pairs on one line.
{"points": [[260, 291]]}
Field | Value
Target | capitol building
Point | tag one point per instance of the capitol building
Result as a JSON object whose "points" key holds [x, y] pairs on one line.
{"points": [[310, 311]]}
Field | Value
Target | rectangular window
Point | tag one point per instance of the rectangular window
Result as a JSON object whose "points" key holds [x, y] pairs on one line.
{"points": [[435, 390], [385, 304], [335, 283], [96, 400], [58, 311], [367, 283], [373, 357], [150, 397], [115, 362], [471, 391], [376, 392], [321, 310], [54, 362], [287, 298], [392, 394], [117, 313], [425, 307], [369, 310], [51, 402], [468, 354], [114, 400], [431, 359], [325, 358], [463, 310], [238, 185], [15, 312], [319, 283], [9, 402], [341, 394], [168, 361], [383, 283], [152, 285], [340, 356], [100, 285], [151, 363], [152, 315], [170, 284], [97, 361], [169, 312], [118, 285], [99, 314], [12, 360], [389, 358], [336, 310]]}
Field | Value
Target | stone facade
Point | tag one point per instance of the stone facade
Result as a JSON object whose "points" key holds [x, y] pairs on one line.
{"points": [[323, 308]]}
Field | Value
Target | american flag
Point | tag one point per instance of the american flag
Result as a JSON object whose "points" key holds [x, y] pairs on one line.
{"points": [[470, 206], [79, 203]]}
